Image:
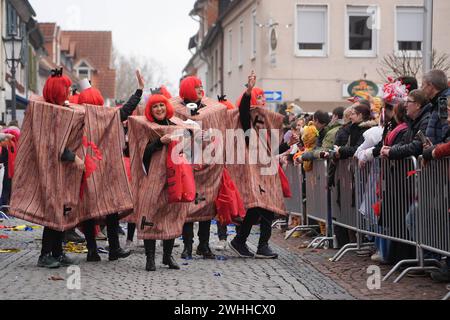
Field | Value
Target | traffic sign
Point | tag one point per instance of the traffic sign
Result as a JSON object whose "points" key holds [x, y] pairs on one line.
{"points": [[274, 96]]}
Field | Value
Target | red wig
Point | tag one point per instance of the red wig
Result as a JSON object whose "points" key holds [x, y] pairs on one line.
{"points": [[56, 89], [91, 96], [254, 100], [165, 92], [187, 88], [228, 104], [74, 98], [154, 99]]}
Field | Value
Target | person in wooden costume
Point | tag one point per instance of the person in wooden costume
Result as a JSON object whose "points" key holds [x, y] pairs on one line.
{"points": [[211, 115], [157, 218], [107, 191], [262, 193], [140, 111], [49, 168]]}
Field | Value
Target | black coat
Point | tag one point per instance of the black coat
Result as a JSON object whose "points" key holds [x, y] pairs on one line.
{"points": [[410, 144], [355, 139]]}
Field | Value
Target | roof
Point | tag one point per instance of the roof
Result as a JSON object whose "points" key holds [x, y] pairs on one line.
{"points": [[97, 45], [47, 30], [94, 47]]}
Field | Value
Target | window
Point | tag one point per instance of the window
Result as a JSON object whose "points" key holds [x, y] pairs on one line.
{"points": [[84, 71], [410, 25], [230, 49], [312, 30], [12, 23], [253, 53], [241, 43], [361, 31]]}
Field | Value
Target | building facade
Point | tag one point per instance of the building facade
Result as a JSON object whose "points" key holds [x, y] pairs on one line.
{"points": [[310, 51], [17, 17]]}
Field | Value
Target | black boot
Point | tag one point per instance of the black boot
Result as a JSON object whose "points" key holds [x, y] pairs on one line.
{"points": [[187, 252], [93, 256], [118, 254], [204, 250], [168, 260], [115, 251], [150, 248]]}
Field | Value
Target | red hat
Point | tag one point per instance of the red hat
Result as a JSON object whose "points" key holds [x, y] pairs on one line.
{"points": [[254, 101], [91, 96], [187, 88], [154, 99], [56, 89]]}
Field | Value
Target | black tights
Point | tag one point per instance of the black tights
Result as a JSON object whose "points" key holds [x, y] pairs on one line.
{"points": [[150, 247], [251, 218], [52, 242], [112, 226], [130, 232], [203, 232]]}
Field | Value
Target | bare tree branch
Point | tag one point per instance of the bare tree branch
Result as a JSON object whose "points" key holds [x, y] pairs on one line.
{"points": [[403, 64], [153, 72]]}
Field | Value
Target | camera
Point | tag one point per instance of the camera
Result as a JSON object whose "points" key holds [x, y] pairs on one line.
{"points": [[442, 108]]}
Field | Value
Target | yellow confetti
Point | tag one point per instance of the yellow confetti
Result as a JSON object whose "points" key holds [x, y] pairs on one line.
{"points": [[9, 250], [75, 248]]}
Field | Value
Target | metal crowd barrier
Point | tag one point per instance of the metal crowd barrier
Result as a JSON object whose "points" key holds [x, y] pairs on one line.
{"points": [[394, 200], [318, 202], [295, 205], [344, 205]]}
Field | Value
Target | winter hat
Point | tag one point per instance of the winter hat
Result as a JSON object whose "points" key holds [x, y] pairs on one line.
{"points": [[154, 99]]}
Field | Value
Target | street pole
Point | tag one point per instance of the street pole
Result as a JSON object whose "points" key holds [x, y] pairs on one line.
{"points": [[13, 90], [427, 51]]}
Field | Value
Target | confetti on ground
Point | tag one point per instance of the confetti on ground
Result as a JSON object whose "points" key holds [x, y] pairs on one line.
{"points": [[56, 278], [217, 274], [4, 237], [9, 250], [75, 248]]}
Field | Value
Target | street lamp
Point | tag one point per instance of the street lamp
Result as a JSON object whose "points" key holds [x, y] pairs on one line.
{"points": [[13, 51]]}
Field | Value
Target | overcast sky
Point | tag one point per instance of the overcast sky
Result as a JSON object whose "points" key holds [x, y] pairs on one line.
{"points": [[158, 29]]}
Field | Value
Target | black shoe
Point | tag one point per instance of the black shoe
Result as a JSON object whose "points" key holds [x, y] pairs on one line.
{"points": [[118, 254], [264, 252], [150, 265], [241, 249], [170, 261], [48, 261], [93, 256], [187, 252], [205, 251], [73, 236], [66, 261]]}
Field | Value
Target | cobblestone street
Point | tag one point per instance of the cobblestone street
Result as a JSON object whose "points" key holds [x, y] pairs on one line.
{"points": [[296, 275]]}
